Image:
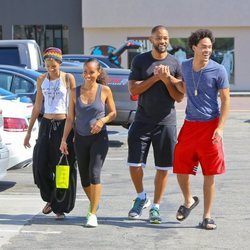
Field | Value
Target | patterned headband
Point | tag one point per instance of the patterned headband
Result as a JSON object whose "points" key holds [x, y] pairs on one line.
{"points": [[53, 53]]}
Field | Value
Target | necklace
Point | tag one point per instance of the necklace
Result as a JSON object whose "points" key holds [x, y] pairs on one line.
{"points": [[196, 85], [53, 91]]}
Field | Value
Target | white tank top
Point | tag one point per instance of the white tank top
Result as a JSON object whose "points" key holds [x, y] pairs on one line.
{"points": [[55, 96]]}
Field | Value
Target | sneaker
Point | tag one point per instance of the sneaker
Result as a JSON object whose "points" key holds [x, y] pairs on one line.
{"points": [[60, 216], [88, 212], [154, 216], [91, 221], [136, 211]]}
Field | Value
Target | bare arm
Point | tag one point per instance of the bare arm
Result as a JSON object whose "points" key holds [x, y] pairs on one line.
{"points": [[170, 82], [224, 110], [138, 87], [111, 106], [69, 122], [72, 81], [35, 111], [109, 101], [178, 83]]}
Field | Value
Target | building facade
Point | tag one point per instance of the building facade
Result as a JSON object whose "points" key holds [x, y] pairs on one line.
{"points": [[78, 26], [51, 23], [115, 21]]}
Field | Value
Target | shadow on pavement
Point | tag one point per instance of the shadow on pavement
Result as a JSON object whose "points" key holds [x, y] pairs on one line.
{"points": [[122, 222], [4, 185], [115, 143]]}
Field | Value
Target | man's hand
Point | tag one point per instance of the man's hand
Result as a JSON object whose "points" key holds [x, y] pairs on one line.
{"points": [[217, 136], [162, 71]]}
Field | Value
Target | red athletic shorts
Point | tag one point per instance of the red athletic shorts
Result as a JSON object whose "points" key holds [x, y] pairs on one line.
{"points": [[195, 146]]}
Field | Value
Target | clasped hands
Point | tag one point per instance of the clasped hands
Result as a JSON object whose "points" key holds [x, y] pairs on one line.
{"points": [[162, 71]]}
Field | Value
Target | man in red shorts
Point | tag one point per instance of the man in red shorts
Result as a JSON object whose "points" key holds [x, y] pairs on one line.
{"points": [[200, 138]]}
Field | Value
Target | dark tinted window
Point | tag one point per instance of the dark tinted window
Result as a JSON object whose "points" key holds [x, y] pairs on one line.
{"points": [[21, 85], [5, 81], [9, 56]]}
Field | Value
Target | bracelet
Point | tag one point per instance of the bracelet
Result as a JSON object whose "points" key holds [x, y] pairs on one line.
{"points": [[64, 142]]}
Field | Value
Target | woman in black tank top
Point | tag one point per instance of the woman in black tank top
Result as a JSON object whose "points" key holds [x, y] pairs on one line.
{"points": [[87, 108]]}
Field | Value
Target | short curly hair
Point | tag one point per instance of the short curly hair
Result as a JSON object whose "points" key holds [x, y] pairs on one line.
{"points": [[198, 35]]}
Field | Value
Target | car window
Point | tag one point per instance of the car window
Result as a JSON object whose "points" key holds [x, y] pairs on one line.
{"points": [[21, 85], [5, 81], [9, 56]]}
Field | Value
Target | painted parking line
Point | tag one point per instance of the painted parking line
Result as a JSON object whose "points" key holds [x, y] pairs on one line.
{"points": [[118, 134], [33, 198], [28, 231], [115, 159]]}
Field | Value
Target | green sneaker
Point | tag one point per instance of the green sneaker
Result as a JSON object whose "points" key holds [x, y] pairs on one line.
{"points": [[154, 216], [136, 211]]}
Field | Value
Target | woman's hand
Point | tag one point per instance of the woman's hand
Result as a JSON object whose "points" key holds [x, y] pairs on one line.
{"points": [[97, 126], [64, 148], [26, 141]]}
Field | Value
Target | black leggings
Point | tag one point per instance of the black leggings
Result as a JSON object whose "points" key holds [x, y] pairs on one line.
{"points": [[91, 152], [46, 155]]}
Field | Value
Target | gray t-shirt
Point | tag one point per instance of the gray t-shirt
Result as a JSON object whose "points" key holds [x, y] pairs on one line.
{"points": [[207, 82], [155, 105]]}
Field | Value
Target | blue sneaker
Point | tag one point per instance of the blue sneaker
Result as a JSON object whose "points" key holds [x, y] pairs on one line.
{"points": [[136, 211], [154, 216]]}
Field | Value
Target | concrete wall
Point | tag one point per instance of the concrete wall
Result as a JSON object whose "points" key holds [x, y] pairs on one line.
{"points": [[121, 19], [45, 12], [178, 13]]}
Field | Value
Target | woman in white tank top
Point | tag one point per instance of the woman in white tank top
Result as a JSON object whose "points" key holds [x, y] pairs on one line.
{"points": [[52, 90]]}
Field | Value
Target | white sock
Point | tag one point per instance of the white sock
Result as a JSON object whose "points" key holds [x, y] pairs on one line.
{"points": [[155, 205], [142, 195]]}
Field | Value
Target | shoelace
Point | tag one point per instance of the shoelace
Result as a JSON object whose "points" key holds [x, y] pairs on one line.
{"points": [[154, 212], [138, 204]]}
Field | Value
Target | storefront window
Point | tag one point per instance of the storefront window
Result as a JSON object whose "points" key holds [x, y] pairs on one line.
{"points": [[45, 35], [223, 52]]}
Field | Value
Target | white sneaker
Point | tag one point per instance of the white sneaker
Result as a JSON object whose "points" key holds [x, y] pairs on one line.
{"points": [[91, 221]]}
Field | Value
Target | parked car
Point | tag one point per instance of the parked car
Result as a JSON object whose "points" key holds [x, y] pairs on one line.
{"points": [[22, 53], [104, 60], [16, 117], [7, 95], [107, 61], [118, 82], [22, 82], [4, 152], [19, 81]]}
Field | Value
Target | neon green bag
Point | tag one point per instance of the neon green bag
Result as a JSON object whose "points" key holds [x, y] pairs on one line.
{"points": [[62, 174]]}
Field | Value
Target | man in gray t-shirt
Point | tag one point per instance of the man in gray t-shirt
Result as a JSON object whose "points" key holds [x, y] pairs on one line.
{"points": [[152, 76], [200, 139]]}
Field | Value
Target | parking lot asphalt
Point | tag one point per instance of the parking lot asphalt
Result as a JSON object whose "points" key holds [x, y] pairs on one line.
{"points": [[23, 226]]}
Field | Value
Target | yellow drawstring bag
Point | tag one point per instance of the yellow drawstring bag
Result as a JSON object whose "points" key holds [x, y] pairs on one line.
{"points": [[62, 174]]}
